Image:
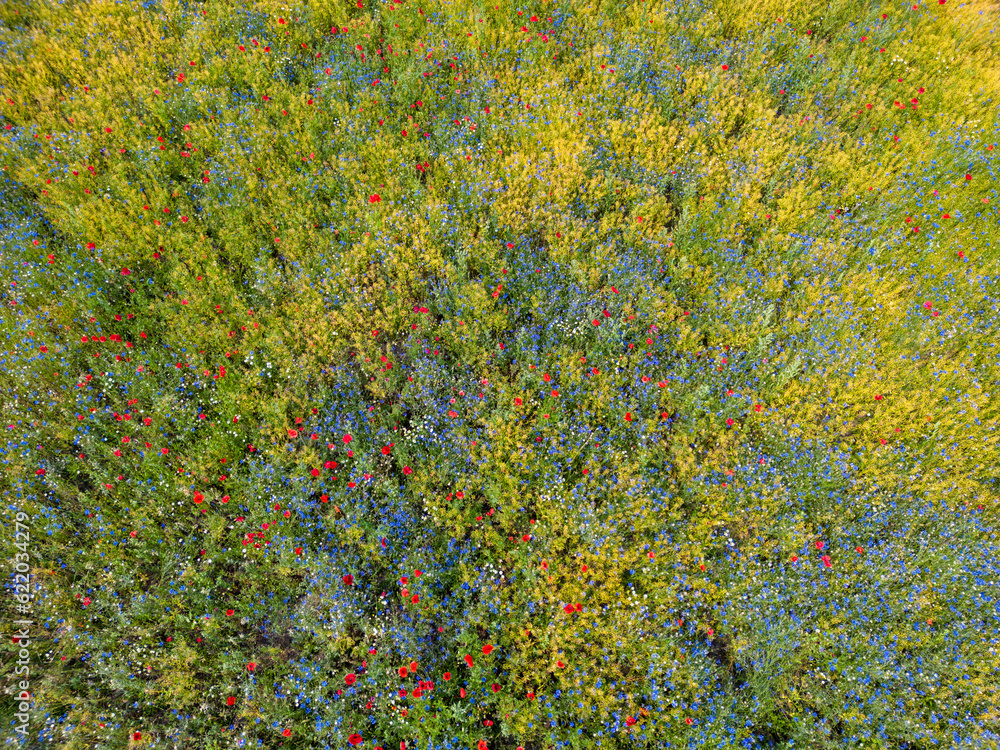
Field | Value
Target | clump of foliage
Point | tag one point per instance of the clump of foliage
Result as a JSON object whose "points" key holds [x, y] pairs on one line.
{"points": [[452, 375]]}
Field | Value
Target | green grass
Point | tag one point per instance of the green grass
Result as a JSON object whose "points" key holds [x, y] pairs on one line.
{"points": [[665, 354]]}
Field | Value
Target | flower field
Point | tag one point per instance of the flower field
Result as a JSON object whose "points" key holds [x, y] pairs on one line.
{"points": [[453, 374]]}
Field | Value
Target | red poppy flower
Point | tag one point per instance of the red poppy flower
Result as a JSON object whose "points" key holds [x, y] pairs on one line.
{"points": [[355, 739], [252, 666], [413, 667], [570, 609], [826, 561], [350, 678], [447, 676], [487, 649], [403, 672], [795, 558], [287, 733], [137, 736], [819, 545], [230, 700], [229, 613], [407, 470], [468, 659], [496, 687], [348, 580], [630, 721], [374, 198]]}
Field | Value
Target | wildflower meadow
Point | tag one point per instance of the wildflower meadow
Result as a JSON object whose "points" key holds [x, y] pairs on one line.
{"points": [[494, 375]]}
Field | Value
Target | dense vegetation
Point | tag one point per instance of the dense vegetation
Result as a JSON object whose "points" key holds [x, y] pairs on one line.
{"points": [[466, 374]]}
